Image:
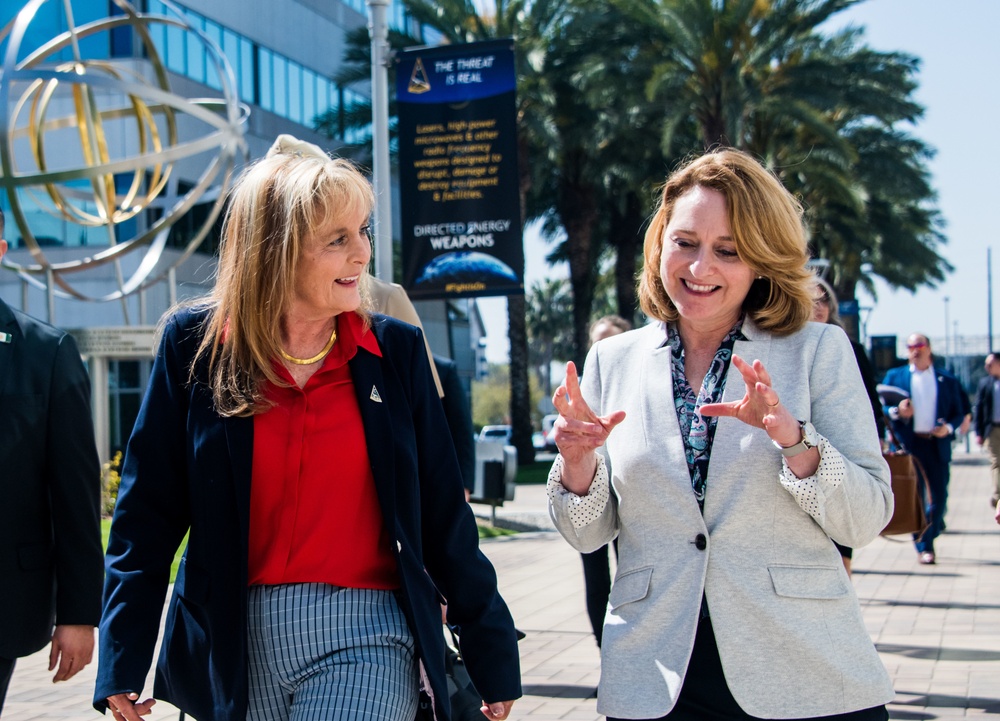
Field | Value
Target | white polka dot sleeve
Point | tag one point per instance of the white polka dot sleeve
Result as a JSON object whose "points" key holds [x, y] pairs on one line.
{"points": [[810, 492], [583, 510]]}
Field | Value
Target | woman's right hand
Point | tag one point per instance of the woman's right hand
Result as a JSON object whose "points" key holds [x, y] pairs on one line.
{"points": [[578, 432], [125, 706]]}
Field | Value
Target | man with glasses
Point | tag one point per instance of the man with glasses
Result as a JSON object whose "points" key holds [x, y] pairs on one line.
{"points": [[51, 561], [988, 419], [925, 424]]}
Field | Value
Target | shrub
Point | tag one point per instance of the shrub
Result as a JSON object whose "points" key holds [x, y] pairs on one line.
{"points": [[110, 480]]}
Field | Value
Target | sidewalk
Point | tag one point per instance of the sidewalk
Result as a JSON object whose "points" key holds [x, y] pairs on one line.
{"points": [[937, 628]]}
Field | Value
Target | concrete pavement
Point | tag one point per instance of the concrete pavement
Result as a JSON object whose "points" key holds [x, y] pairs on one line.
{"points": [[937, 628]]}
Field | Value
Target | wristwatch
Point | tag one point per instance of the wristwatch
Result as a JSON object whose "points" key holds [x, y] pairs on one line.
{"points": [[810, 439]]}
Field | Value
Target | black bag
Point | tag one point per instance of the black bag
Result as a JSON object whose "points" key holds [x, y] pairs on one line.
{"points": [[465, 700]]}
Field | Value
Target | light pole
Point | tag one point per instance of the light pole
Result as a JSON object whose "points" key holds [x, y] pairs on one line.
{"points": [[946, 353], [379, 32]]}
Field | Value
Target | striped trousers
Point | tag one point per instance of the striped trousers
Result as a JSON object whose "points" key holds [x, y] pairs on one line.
{"points": [[326, 653]]}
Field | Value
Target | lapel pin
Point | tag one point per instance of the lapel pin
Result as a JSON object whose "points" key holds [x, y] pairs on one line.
{"points": [[6, 337], [375, 396]]}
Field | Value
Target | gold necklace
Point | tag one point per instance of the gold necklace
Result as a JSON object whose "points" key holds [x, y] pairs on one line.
{"points": [[316, 358]]}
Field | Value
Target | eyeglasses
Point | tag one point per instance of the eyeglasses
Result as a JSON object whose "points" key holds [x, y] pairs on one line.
{"points": [[916, 346]]}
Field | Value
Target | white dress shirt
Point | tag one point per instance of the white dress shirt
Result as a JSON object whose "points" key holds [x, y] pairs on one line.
{"points": [[923, 395]]}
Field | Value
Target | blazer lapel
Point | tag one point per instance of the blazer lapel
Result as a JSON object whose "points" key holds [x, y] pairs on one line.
{"points": [[9, 326], [729, 431], [656, 380], [943, 397], [239, 441], [374, 402]]}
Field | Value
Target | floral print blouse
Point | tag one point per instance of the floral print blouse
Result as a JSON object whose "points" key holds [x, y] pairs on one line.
{"points": [[698, 432]]}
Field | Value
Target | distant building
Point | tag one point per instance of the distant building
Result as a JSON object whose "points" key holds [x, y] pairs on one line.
{"points": [[283, 57]]}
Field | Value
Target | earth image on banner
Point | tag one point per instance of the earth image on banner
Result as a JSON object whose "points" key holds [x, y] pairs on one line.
{"points": [[465, 267]]}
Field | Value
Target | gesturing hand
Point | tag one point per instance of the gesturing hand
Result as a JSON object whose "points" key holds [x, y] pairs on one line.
{"points": [[578, 432], [760, 406]]}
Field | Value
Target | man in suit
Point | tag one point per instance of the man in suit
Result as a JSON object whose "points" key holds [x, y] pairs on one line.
{"points": [[925, 423], [988, 419], [459, 415], [51, 562]]}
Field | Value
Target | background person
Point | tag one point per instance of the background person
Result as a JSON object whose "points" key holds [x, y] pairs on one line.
{"points": [[596, 564], [825, 310], [925, 423], [391, 299], [50, 498], [726, 571], [459, 415], [299, 440], [988, 420]]}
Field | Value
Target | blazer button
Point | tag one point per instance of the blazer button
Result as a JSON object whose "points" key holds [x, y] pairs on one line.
{"points": [[700, 542]]}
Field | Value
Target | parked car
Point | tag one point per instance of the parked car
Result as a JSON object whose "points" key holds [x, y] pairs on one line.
{"points": [[547, 428], [495, 434]]}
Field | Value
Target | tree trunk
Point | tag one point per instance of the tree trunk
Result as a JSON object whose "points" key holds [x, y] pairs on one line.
{"points": [[517, 336], [627, 238], [520, 393], [578, 212]]}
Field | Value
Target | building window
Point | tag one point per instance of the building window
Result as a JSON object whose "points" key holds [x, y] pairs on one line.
{"points": [[127, 379]]}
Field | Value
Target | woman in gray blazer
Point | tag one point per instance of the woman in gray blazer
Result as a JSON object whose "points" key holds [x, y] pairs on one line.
{"points": [[737, 460]]}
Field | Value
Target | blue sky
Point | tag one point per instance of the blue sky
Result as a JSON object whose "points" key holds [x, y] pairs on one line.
{"points": [[956, 41]]}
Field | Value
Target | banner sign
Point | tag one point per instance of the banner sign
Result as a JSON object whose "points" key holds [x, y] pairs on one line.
{"points": [[458, 180]]}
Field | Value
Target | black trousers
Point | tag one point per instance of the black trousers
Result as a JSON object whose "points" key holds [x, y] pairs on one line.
{"points": [[597, 582], [6, 671], [706, 697]]}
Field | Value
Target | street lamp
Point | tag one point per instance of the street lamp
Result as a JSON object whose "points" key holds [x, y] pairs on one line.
{"points": [[946, 326], [379, 32]]}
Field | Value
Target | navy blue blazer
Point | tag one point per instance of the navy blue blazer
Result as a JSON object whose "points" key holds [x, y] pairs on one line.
{"points": [[50, 487], [950, 407], [187, 469], [984, 407]]}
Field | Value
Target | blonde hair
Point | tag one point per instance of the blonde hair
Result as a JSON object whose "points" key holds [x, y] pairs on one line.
{"points": [[274, 205], [766, 226]]}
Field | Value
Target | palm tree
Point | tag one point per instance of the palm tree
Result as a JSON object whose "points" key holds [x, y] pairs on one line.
{"points": [[821, 110], [549, 325], [355, 118]]}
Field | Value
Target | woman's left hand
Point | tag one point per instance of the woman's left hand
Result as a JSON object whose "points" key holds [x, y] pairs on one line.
{"points": [[498, 710], [760, 407]]}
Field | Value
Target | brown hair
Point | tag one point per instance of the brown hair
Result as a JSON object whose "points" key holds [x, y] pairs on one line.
{"points": [[616, 322], [766, 225], [274, 205], [830, 300]]}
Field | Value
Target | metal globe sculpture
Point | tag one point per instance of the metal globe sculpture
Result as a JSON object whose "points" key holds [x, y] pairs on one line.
{"points": [[120, 134]]}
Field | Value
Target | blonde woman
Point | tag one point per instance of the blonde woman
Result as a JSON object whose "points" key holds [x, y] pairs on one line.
{"points": [[297, 439]]}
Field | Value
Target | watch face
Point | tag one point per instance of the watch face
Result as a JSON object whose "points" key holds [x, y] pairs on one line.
{"points": [[809, 435]]}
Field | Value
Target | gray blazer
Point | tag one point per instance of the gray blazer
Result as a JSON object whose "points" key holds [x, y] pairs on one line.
{"points": [[787, 622]]}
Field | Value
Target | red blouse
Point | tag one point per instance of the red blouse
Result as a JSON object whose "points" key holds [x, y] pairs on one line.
{"points": [[314, 513]]}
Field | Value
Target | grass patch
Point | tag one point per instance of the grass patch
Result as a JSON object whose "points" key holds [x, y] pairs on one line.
{"points": [[106, 531], [533, 473], [488, 531]]}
